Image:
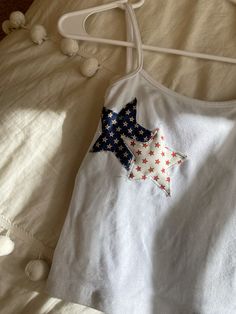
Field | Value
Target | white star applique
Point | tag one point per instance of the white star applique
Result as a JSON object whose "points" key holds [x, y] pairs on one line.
{"points": [[152, 159]]}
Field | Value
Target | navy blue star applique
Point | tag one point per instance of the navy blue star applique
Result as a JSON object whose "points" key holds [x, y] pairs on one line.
{"points": [[115, 125]]}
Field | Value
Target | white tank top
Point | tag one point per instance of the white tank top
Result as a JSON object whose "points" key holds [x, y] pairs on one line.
{"points": [[152, 220]]}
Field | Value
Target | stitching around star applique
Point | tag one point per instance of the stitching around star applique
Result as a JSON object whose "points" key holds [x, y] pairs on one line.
{"points": [[142, 152], [152, 159]]}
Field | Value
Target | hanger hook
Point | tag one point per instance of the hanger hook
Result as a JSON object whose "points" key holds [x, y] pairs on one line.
{"points": [[138, 4]]}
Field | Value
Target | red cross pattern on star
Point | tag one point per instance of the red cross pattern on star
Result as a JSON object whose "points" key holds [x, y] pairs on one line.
{"points": [[152, 159]]}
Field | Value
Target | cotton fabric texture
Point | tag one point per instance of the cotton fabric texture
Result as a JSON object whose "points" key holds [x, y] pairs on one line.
{"points": [[125, 246]]}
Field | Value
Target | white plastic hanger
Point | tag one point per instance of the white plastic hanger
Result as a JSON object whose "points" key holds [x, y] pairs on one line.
{"points": [[75, 21]]}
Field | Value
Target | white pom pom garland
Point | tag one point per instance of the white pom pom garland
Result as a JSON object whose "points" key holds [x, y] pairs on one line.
{"points": [[6, 27], [37, 269], [17, 19], [6, 245], [89, 67], [69, 47], [38, 34]]}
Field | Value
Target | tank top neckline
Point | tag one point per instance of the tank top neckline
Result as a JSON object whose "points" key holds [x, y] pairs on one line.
{"points": [[154, 83]]}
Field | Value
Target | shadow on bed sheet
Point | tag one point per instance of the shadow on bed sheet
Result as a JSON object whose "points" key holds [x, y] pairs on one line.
{"points": [[184, 245], [66, 174], [74, 144]]}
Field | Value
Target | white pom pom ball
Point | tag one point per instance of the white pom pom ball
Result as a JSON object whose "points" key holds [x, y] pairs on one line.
{"points": [[6, 27], [17, 19], [37, 269], [38, 34], [69, 47], [89, 67], [6, 245]]}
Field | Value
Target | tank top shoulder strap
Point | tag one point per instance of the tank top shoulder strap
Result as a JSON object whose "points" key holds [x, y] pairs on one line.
{"points": [[133, 34]]}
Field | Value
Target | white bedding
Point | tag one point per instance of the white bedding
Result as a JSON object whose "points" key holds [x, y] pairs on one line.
{"points": [[49, 113]]}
